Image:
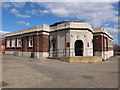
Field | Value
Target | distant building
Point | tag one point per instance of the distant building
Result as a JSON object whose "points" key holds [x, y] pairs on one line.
{"points": [[65, 38], [2, 44]]}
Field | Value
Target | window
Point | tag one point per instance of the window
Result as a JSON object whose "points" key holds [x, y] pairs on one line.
{"points": [[19, 42], [105, 42], [88, 44], [13, 42], [110, 43], [30, 41], [8, 43], [53, 42], [53, 46]]}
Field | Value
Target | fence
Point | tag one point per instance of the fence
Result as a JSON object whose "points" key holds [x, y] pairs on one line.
{"points": [[71, 52]]}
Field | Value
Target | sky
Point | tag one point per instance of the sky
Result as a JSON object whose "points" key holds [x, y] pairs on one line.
{"points": [[20, 15]]}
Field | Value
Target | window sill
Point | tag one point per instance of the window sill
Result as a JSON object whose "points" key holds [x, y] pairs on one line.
{"points": [[30, 47], [12, 47], [7, 47], [18, 47]]}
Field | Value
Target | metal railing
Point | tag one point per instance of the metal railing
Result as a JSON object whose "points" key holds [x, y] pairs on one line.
{"points": [[70, 52]]}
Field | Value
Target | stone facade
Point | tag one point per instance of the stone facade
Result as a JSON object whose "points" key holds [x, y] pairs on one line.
{"points": [[68, 32], [66, 38]]}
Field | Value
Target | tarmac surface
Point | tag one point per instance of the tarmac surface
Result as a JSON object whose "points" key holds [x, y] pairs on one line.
{"points": [[21, 72]]}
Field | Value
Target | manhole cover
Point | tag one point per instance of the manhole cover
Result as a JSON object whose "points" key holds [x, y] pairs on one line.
{"points": [[88, 77]]}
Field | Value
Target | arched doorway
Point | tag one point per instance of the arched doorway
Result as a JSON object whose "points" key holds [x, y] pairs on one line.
{"points": [[78, 48]]}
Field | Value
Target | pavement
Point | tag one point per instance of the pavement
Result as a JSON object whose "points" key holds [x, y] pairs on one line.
{"points": [[21, 72]]}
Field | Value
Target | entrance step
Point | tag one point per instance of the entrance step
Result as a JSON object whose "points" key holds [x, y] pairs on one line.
{"points": [[79, 59]]}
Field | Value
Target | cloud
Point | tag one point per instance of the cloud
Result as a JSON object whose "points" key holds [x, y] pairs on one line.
{"points": [[6, 5], [27, 11], [2, 33], [32, 5], [22, 16], [14, 11], [13, 4], [45, 11], [21, 0], [119, 26], [61, 0], [112, 30], [33, 11], [18, 4], [95, 13], [42, 11], [24, 23], [36, 11]]}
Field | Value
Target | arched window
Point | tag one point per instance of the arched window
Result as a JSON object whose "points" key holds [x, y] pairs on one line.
{"points": [[54, 44]]}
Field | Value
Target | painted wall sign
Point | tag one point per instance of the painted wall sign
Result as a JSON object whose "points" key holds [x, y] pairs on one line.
{"points": [[67, 44]]}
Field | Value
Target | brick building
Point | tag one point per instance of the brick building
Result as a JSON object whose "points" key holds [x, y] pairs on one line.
{"points": [[103, 43], [65, 38], [2, 44]]}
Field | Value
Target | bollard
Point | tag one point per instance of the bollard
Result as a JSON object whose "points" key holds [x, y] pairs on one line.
{"points": [[32, 54]]}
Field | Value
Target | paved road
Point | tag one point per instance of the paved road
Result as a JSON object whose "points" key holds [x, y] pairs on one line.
{"points": [[20, 72]]}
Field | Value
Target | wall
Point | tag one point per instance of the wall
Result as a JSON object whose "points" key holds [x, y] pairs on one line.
{"points": [[40, 45], [2, 48], [70, 36], [86, 37], [61, 38], [101, 45]]}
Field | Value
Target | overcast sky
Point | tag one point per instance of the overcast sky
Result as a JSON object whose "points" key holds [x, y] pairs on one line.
{"points": [[19, 15]]}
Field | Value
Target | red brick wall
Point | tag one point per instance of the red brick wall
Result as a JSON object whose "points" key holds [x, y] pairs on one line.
{"points": [[44, 43], [36, 43], [2, 48], [99, 43], [40, 44], [2, 44]]}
